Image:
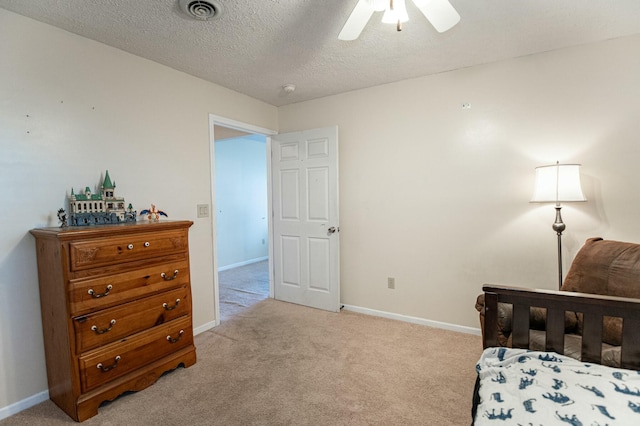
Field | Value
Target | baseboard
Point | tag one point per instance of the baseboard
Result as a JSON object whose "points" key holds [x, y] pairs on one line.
{"points": [[29, 402], [414, 320], [205, 327], [244, 263]]}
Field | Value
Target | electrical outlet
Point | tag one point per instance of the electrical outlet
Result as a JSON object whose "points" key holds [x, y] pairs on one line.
{"points": [[391, 283]]}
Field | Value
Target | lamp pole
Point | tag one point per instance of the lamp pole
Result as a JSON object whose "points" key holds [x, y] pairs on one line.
{"points": [[559, 226]]}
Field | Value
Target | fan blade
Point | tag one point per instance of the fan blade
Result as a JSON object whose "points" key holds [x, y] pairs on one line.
{"points": [[357, 20], [440, 13]]}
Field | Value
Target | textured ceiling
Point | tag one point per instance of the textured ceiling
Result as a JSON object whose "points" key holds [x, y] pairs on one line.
{"points": [[257, 46]]}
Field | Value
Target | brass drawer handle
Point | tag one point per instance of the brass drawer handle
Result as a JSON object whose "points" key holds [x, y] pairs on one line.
{"points": [[111, 367], [172, 340], [171, 308], [166, 278], [98, 295], [104, 330]]}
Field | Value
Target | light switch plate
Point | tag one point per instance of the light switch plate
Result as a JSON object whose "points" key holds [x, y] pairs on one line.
{"points": [[203, 210]]}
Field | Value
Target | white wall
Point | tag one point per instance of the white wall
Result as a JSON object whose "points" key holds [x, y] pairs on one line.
{"points": [[431, 194], [71, 108], [437, 196], [241, 200]]}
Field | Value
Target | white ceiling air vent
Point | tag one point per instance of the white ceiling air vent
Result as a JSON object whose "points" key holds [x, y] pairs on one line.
{"points": [[202, 10]]}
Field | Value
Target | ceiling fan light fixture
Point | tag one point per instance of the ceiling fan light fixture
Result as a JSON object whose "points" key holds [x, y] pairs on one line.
{"points": [[395, 12], [379, 5], [440, 13]]}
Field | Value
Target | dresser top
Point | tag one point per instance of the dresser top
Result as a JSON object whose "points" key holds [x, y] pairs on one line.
{"points": [[74, 232]]}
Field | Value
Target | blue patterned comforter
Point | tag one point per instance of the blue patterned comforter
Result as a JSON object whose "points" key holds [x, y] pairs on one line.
{"points": [[521, 387]]}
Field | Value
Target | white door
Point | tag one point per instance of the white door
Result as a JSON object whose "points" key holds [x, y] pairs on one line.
{"points": [[306, 256]]}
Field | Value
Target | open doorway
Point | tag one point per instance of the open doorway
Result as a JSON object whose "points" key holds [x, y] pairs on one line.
{"points": [[241, 219], [308, 260]]}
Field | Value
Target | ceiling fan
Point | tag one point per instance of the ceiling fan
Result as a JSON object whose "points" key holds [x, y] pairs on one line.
{"points": [[440, 13]]}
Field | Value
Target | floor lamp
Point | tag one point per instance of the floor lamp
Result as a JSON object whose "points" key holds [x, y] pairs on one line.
{"points": [[558, 183]]}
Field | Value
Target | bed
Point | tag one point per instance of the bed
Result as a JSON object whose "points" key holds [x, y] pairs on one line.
{"points": [[519, 386]]}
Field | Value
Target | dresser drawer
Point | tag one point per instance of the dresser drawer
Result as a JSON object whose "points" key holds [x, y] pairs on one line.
{"points": [[89, 295], [109, 325], [117, 359], [93, 253]]}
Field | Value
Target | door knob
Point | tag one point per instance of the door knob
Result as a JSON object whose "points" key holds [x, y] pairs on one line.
{"points": [[331, 230]]}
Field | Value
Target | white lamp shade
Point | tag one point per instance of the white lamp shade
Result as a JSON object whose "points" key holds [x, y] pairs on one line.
{"points": [[558, 183]]}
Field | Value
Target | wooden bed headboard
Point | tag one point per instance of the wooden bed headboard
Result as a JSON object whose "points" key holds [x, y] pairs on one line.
{"points": [[593, 307]]}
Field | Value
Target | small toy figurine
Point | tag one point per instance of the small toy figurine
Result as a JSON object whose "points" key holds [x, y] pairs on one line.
{"points": [[153, 214], [62, 217], [130, 214]]}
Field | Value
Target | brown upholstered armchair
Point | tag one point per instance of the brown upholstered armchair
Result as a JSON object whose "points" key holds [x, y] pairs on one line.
{"points": [[603, 267]]}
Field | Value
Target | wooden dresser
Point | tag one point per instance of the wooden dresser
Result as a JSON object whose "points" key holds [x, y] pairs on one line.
{"points": [[116, 309]]}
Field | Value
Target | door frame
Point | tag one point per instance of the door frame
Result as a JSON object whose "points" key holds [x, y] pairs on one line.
{"points": [[216, 120]]}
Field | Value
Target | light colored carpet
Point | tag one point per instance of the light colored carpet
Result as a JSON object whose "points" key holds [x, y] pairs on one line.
{"points": [[281, 364], [242, 287]]}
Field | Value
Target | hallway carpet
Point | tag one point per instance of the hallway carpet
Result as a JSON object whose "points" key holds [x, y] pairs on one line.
{"points": [[242, 287]]}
